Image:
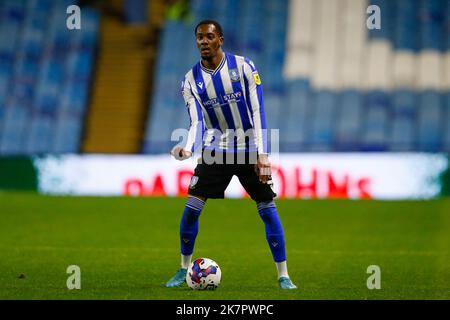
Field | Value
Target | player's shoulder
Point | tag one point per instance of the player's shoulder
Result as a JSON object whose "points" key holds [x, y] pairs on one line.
{"points": [[186, 82], [188, 78], [245, 61], [189, 74]]}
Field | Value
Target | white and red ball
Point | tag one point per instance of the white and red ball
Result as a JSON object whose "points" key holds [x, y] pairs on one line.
{"points": [[203, 274]]}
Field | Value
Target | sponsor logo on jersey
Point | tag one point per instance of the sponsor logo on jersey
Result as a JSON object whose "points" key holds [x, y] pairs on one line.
{"points": [[234, 96], [223, 100], [211, 102]]}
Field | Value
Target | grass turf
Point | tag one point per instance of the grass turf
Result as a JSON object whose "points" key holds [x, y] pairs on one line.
{"points": [[127, 248]]}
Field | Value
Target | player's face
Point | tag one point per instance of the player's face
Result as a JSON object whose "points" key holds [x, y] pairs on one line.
{"points": [[208, 41]]}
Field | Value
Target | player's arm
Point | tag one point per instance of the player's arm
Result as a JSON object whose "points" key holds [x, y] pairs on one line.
{"points": [[254, 88], [195, 133]]}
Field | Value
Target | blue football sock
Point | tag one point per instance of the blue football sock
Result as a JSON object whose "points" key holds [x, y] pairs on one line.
{"points": [[274, 230], [189, 224]]}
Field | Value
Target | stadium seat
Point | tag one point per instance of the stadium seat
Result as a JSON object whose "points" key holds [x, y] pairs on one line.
{"points": [[376, 121], [273, 109], [402, 135], [403, 121], [33, 37], [430, 123], [67, 134], [294, 119], [430, 19], [348, 120], [406, 25], [323, 115], [14, 129], [446, 146], [40, 135], [4, 82]]}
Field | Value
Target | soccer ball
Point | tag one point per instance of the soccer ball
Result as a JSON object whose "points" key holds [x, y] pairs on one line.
{"points": [[203, 274]]}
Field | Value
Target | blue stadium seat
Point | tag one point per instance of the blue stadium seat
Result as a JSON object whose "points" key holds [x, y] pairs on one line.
{"points": [[159, 129], [446, 97], [46, 99], [348, 120], [406, 25], [2, 117], [15, 125], [26, 70], [33, 42], [446, 22], [52, 72], [404, 103], [79, 64], [430, 117], [388, 10], [9, 39], [39, 6], [402, 135], [294, 118], [376, 121], [73, 98], [67, 134], [4, 84], [23, 92], [323, 115], [273, 109], [89, 31], [430, 18], [40, 135]]}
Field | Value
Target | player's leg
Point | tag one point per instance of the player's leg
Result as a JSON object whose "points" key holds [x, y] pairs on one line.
{"points": [[208, 181], [189, 228], [275, 238], [263, 195], [188, 234]]}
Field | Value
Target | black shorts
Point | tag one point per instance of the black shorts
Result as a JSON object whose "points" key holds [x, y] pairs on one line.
{"points": [[211, 180]]}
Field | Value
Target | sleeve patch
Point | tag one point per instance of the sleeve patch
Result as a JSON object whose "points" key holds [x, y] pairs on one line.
{"points": [[257, 78]]}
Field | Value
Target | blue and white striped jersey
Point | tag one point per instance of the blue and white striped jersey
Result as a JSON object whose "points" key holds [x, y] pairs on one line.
{"points": [[225, 106]]}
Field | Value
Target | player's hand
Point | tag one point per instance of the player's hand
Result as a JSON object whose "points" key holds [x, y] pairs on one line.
{"points": [[263, 168], [180, 154]]}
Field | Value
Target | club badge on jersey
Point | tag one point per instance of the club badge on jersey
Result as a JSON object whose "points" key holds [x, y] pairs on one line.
{"points": [[234, 75], [194, 181]]}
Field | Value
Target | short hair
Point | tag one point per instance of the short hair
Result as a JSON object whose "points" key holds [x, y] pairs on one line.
{"points": [[215, 23]]}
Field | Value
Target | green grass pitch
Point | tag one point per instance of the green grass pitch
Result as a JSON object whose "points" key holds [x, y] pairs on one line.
{"points": [[127, 248]]}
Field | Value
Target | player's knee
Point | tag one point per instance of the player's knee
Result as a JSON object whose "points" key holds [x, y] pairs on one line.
{"points": [[269, 215], [266, 209], [200, 198], [193, 209]]}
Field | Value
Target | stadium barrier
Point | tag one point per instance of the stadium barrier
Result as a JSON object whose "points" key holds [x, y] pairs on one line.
{"points": [[18, 173], [295, 175]]}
